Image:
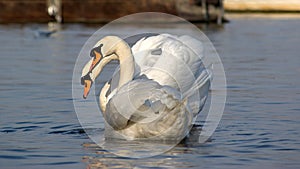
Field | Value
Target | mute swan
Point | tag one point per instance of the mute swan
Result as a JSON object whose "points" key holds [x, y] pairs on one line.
{"points": [[162, 85]]}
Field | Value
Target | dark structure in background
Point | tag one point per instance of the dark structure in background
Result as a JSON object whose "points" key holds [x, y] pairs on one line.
{"points": [[101, 11]]}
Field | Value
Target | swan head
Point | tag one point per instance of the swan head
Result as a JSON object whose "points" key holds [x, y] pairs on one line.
{"points": [[87, 77], [87, 82], [99, 58], [107, 49]]}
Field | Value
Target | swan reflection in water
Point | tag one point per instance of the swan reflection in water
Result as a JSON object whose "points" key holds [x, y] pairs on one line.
{"points": [[105, 159]]}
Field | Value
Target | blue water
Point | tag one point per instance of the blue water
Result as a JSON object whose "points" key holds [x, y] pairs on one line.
{"points": [[259, 128]]}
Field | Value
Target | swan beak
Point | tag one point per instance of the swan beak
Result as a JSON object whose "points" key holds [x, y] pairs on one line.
{"points": [[87, 87], [96, 60]]}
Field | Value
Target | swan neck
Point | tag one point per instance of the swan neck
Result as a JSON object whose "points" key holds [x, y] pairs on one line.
{"points": [[126, 63]]}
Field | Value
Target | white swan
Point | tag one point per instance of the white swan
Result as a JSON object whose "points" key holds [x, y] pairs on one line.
{"points": [[162, 85]]}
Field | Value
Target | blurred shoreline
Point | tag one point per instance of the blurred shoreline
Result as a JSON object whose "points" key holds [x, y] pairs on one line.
{"points": [[103, 11]]}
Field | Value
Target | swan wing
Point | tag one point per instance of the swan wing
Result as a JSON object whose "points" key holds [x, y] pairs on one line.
{"points": [[175, 61], [167, 58], [141, 101]]}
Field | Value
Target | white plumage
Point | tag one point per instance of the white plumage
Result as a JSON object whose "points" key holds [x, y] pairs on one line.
{"points": [[160, 86]]}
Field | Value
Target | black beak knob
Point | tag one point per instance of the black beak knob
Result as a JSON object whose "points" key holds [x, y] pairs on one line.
{"points": [[86, 77], [97, 49]]}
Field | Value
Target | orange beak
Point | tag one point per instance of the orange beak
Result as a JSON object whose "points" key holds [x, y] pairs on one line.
{"points": [[88, 82], [87, 87], [95, 60]]}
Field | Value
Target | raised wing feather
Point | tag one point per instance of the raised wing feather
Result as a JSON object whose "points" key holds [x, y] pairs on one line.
{"points": [[179, 65]]}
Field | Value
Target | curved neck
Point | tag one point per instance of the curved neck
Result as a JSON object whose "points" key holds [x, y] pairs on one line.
{"points": [[126, 60], [114, 48]]}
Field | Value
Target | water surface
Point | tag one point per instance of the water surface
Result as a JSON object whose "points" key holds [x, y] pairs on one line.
{"points": [[259, 128]]}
